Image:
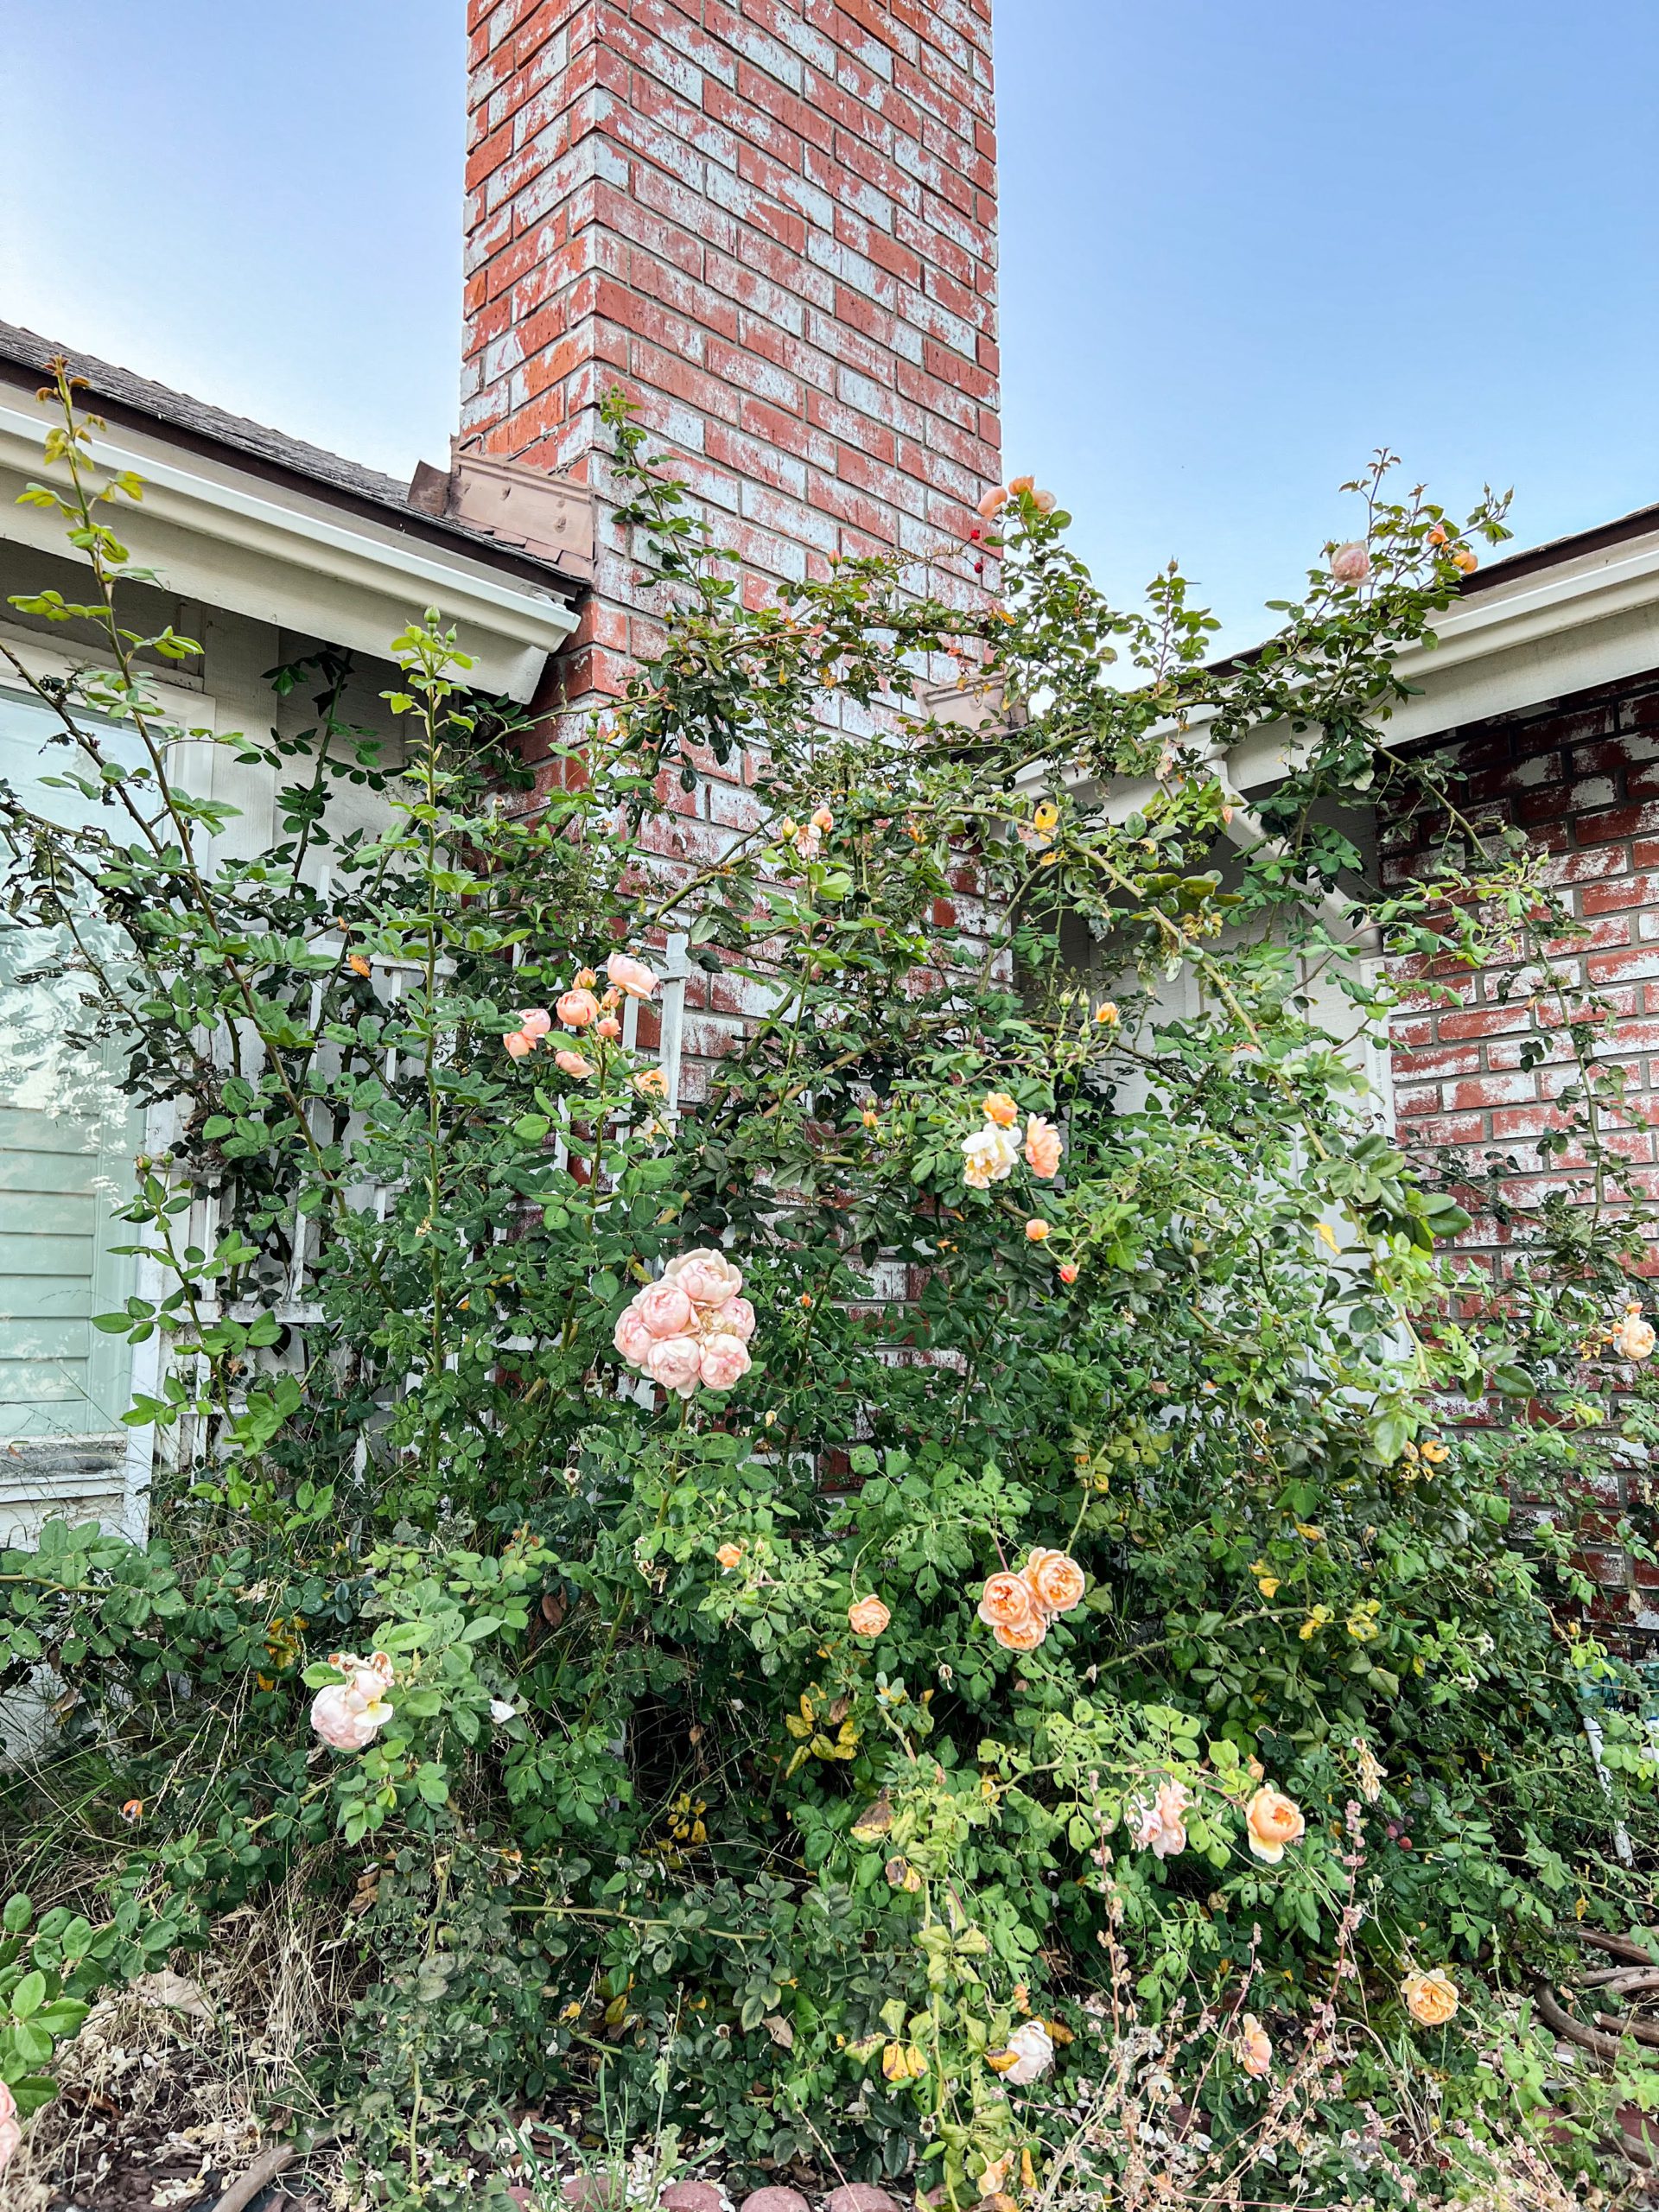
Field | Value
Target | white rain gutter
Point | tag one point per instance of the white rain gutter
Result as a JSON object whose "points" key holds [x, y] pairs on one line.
{"points": [[229, 539]]}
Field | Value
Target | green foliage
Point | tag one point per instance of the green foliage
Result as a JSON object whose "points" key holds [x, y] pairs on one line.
{"points": [[650, 1826]]}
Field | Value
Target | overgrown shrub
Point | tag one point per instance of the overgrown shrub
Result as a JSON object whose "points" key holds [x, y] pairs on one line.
{"points": [[651, 1815]]}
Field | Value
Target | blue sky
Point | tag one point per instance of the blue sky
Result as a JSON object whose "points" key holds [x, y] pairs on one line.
{"points": [[1243, 244]]}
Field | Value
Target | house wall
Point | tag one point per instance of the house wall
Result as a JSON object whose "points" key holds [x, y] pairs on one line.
{"points": [[1580, 774], [67, 1136]]}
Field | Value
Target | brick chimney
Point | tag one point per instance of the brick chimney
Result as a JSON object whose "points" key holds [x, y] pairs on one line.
{"points": [[772, 223]]}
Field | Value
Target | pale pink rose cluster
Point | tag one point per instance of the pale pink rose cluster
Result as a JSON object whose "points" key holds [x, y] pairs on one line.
{"points": [[350, 1714], [583, 1007], [691, 1327], [11, 2128]]}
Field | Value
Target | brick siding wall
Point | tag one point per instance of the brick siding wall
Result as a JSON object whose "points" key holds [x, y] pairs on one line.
{"points": [[1581, 776]]}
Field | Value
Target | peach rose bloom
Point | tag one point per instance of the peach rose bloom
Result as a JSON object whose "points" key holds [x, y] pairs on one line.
{"points": [[664, 1309], [869, 1617], [1056, 1581], [536, 1022], [706, 1276], [993, 503], [1036, 1231], [822, 820], [724, 1363], [1272, 1821], [1045, 502], [1018, 484], [1350, 563], [1001, 1109], [1043, 1146], [609, 1028], [518, 1043], [573, 1063], [728, 1555], [631, 976], [1464, 559], [1255, 2047], [1021, 1635], [1069, 1271], [632, 1338], [1431, 1997], [1157, 1825], [578, 1009], [735, 1317], [1634, 1338], [650, 1083], [676, 1362], [1007, 1600]]}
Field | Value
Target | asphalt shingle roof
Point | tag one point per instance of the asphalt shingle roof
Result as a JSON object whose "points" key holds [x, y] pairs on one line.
{"points": [[135, 401]]}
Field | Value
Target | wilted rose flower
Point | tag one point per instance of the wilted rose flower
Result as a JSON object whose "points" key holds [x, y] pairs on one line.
{"points": [[1157, 1824], [1431, 1996], [725, 1362], [664, 1309], [1043, 1145], [869, 1617], [573, 1063], [706, 1276], [535, 1021], [1272, 1821], [578, 1009], [631, 976], [1056, 1581], [676, 1362], [1634, 1338], [1255, 2047], [1350, 563], [1027, 2057]]}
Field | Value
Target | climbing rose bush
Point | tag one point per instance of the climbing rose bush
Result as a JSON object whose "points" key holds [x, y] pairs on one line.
{"points": [[976, 1547]]}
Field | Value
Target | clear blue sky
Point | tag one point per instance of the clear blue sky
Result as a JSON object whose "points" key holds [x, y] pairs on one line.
{"points": [[1243, 244]]}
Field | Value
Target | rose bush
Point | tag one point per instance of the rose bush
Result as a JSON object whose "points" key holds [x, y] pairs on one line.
{"points": [[825, 1613]]}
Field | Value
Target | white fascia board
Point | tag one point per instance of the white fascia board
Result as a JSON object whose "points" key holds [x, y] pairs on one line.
{"points": [[216, 534], [1556, 631]]}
